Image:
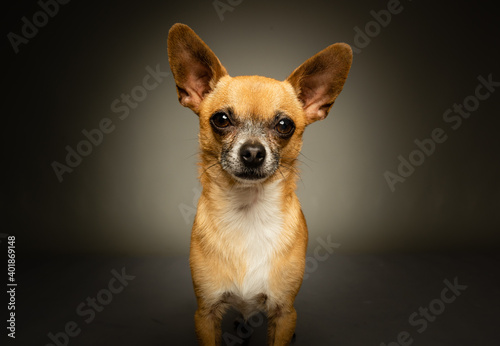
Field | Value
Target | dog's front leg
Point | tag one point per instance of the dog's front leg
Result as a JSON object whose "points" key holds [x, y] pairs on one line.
{"points": [[207, 323], [281, 326]]}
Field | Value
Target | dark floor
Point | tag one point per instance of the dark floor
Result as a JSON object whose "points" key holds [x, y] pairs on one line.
{"points": [[346, 300]]}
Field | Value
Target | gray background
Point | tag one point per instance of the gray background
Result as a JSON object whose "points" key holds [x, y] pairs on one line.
{"points": [[126, 197], [120, 209]]}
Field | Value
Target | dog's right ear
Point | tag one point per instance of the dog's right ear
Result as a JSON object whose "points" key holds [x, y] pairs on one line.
{"points": [[195, 67]]}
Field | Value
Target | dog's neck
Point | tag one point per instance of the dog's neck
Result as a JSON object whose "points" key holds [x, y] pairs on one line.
{"points": [[246, 207], [249, 196], [246, 196]]}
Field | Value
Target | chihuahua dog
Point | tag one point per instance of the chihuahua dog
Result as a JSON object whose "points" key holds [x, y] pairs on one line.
{"points": [[249, 238]]}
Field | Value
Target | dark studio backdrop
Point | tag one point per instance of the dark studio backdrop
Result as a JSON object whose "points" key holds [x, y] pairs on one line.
{"points": [[100, 159]]}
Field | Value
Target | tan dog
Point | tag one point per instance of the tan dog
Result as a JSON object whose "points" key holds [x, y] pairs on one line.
{"points": [[249, 238]]}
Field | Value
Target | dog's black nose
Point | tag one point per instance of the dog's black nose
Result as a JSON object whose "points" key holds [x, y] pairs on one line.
{"points": [[252, 154]]}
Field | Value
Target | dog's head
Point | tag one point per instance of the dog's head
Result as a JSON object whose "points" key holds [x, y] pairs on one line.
{"points": [[251, 127]]}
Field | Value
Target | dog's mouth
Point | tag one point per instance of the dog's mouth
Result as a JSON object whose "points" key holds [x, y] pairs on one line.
{"points": [[247, 175], [251, 175]]}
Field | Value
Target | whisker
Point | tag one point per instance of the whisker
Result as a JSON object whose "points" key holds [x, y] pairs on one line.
{"points": [[290, 168], [305, 164], [300, 153], [206, 169], [293, 170], [289, 161], [279, 170], [220, 172], [294, 159]]}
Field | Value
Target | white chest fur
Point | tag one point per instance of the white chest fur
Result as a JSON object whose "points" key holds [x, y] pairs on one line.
{"points": [[253, 222]]}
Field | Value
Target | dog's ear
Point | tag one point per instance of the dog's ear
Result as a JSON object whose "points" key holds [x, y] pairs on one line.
{"points": [[195, 67], [320, 79]]}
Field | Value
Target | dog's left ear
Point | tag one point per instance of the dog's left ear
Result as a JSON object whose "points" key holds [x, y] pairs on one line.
{"points": [[320, 79], [195, 67]]}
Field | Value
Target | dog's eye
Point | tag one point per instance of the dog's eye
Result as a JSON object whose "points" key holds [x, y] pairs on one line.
{"points": [[285, 127], [220, 120]]}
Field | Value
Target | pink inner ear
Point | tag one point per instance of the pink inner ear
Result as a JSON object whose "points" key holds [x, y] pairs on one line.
{"points": [[320, 79], [314, 96], [196, 85]]}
